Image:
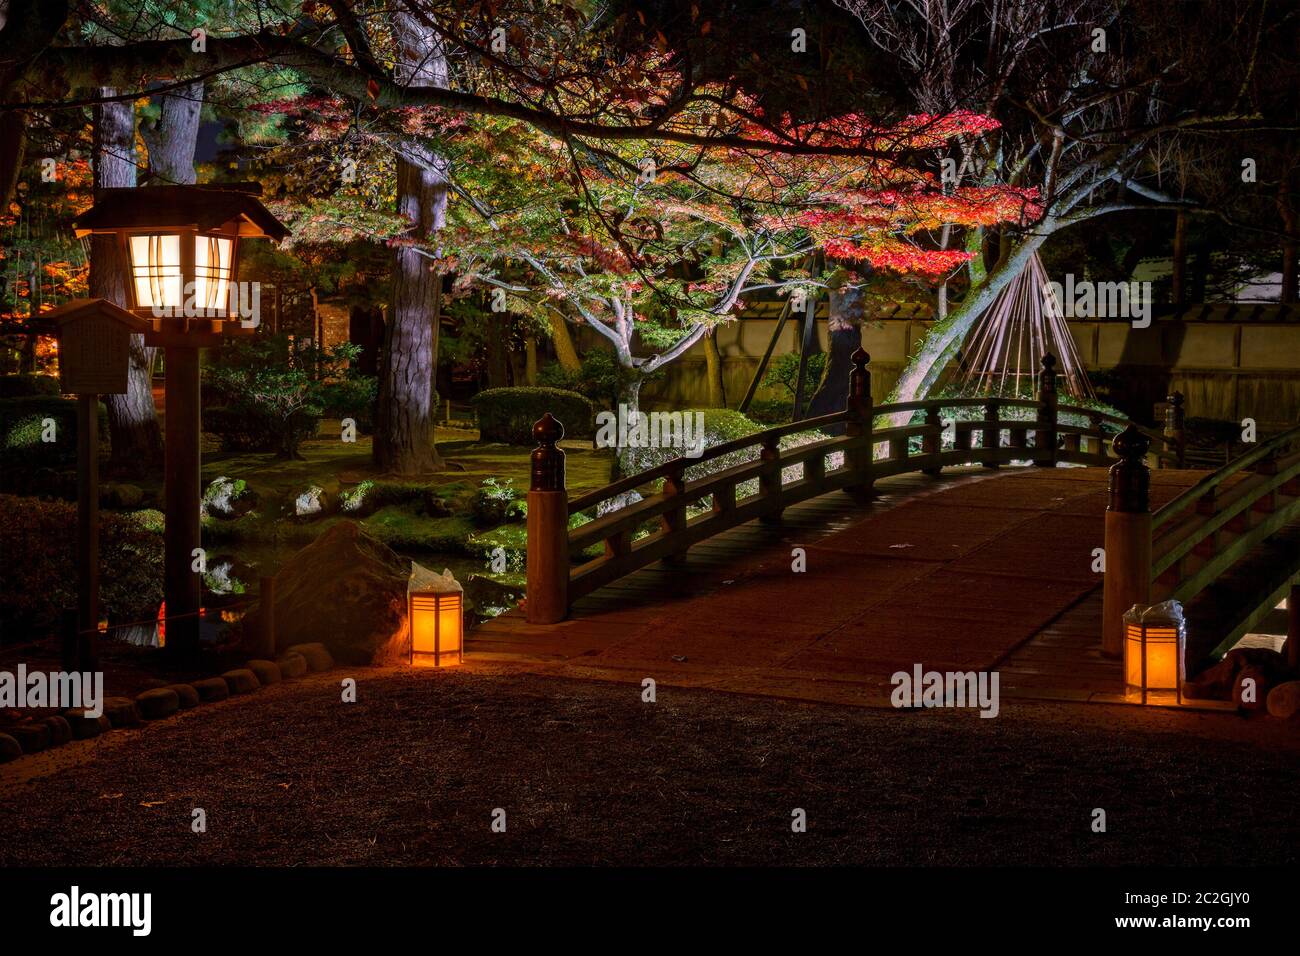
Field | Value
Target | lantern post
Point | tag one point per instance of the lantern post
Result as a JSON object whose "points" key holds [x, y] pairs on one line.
{"points": [[94, 359], [1127, 578], [181, 248]]}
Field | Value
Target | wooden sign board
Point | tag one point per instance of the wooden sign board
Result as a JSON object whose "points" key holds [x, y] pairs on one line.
{"points": [[94, 346]]}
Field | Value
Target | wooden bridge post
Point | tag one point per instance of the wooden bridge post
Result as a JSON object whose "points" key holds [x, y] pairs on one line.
{"points": [[1174, 429], [1045, 433], [992, 433], [859, 424], [769, 481], [548, 527], [675, 520], [1128, 538]]}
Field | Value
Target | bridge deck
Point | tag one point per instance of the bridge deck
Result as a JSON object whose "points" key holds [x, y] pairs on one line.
{"points": [[971, 570]]}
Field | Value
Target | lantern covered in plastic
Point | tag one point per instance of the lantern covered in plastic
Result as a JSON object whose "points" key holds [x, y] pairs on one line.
{"points": [[180, 249], [1155, 640], [435, 612]]}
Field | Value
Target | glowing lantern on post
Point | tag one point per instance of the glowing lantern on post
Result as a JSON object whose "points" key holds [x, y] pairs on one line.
{"points": [[181, 247], [1155, 649], [435, 611]]}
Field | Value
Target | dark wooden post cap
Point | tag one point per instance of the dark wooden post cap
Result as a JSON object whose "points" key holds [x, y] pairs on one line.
{"points": [[860, 377], [1130, 478], [547, 460], [1047, 377]]}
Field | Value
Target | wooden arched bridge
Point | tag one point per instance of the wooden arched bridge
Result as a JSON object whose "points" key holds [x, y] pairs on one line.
{"points": [[937, 551]]}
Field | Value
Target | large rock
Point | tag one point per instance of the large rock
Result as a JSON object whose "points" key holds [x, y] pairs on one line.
{"points": [[346, 590]]}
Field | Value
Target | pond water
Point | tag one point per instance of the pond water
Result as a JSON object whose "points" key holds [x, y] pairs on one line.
{"points": [[232, 584]]}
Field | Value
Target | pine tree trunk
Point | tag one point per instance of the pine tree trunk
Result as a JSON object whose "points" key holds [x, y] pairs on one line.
{"points": [[713, 366], [844, 330], [133, 427], [172, 138], [404, 432]]}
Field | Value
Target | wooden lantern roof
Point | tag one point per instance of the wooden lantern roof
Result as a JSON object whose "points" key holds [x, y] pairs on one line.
{"points": [[77, 310], [225, 207]]}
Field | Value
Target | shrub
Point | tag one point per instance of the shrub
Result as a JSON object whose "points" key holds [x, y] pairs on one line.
{"points": [[508, 414], [783, 372], [721, 425], [495, 501], [27, 384], [34, 590], [600, 378], [354, 397], [22, 427], [270, 395], [771, 411]]}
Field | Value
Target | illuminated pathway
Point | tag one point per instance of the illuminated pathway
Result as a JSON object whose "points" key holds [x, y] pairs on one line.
{"points": [[971, 570]]}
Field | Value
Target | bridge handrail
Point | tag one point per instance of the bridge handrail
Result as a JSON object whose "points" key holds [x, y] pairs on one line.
{"points": [[664, 469], [554, 581], [1168, 511]]}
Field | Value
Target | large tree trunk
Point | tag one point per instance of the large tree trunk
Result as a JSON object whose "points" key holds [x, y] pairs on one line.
{"points": [[132, 418], [404, 433], [172, 138], [844, 330]]}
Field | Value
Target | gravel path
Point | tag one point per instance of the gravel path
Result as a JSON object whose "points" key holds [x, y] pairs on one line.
{"points": [[587, 773]]}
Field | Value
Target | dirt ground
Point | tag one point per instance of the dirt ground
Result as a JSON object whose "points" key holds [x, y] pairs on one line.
{"points": [[587, 773]]}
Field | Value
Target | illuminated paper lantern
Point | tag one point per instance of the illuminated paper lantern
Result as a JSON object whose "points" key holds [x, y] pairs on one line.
{"points": [[435, 611], [1155, 650]]}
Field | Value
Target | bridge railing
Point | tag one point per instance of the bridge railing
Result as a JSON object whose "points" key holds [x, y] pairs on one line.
{"points": [[777, 477], [1193, 540]]}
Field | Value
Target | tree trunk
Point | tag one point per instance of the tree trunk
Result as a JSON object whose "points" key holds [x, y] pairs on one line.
{"points": [[1178, 290], [713, 366], [844, 329], [565, 353], [133, 428], [404, 433], [172, 138], [627, 461]]}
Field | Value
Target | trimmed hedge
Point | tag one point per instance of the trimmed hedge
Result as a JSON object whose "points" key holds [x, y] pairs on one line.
{"points": [[508, 414], [27, 384], [22, 426], [34, 589]]}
